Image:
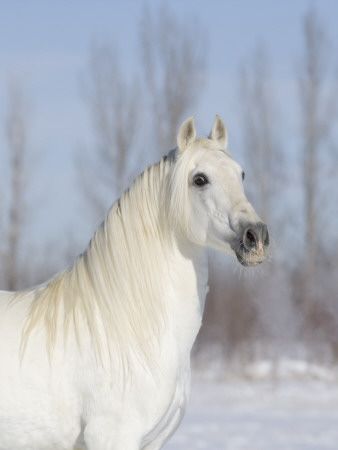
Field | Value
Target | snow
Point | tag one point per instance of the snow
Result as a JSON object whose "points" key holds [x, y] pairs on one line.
{"points": [[288, 413], [286, 369]]}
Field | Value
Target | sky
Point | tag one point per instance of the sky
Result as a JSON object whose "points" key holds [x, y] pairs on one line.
{"points": [[45, 45]]}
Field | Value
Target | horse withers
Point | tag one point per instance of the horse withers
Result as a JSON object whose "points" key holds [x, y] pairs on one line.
{"points": [[99, 356]]}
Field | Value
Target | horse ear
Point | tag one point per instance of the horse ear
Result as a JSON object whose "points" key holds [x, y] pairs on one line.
{"points": [[187, 134], [219, 132]]}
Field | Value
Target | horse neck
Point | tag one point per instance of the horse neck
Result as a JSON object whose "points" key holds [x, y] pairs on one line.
{"points": [[133, 246], [139, 276], [189, 277], [191, 268]]}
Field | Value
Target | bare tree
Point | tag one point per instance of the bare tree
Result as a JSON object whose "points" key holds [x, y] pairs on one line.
{"points": [[261, 138], [173, 63], [234, 316], [249, 306], [14, 214], [114, 105], [318, 100]]}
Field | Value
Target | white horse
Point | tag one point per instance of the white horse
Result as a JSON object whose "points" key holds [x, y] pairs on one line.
{"points": [[99, 357]]}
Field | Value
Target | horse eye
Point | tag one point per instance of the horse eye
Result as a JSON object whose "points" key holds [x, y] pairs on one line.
{"points": [[243, 175], [200, 179]]}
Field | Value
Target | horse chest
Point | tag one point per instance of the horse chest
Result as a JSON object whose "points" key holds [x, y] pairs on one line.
{"points": [[170, 395], [171, 407]]}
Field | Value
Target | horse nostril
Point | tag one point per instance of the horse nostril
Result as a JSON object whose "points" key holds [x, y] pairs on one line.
{"points": [[256, 236], [250, 239]]}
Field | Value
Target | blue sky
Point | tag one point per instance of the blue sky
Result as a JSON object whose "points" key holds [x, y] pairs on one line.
{"points": [[45, 45]]}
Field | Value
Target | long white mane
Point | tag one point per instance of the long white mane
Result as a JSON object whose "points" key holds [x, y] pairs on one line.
{"points": [[117, 284]]}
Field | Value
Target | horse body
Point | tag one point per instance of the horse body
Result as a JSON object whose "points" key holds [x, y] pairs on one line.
{"points": [[99, 357], [45, 402], [37, 407]]}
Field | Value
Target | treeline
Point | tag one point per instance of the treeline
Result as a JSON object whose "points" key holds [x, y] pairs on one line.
{"points": [[290, 304]]}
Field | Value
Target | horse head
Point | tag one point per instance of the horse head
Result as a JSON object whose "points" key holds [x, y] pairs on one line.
{"points": [[211, 201]]}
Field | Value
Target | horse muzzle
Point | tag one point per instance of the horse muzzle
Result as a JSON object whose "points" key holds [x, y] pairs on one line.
{"points": [[252, 244]]}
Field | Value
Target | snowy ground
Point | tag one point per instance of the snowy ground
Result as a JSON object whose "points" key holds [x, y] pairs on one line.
{"points": [[255, 415]]}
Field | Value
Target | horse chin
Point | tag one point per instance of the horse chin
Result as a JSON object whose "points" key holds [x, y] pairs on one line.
{"points": [[248, 261]]}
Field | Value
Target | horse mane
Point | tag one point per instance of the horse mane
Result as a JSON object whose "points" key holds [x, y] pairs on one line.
{"points": [[117, 284]]}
